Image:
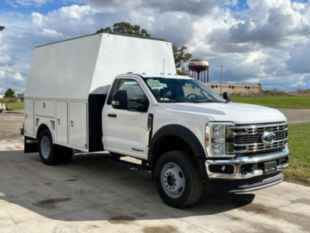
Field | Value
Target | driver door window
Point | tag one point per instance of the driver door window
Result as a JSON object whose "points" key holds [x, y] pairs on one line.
{"points": [[137, 101]]}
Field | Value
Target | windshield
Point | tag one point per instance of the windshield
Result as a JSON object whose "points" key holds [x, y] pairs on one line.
{"points": [[181, 90]]}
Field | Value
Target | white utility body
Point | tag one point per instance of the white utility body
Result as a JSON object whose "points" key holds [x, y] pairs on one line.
{"points": [[121, 94], [67, 77]]}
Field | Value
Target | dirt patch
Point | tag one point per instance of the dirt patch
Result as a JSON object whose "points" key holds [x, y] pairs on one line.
{"points": [[301, 201], [294, 218], [50, 203], [71, 180], [10, 125], [121, 219], [261, 228], [161, 229], [140, 214]]}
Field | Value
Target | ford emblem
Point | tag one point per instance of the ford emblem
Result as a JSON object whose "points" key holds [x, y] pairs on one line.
{"points": [[268, 137]]}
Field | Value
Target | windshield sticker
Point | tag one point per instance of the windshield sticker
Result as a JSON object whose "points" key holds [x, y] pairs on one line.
{"points": [[156, 84]]}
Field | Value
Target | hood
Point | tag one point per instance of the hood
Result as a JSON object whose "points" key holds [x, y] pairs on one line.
{"points": [[234, 112]]}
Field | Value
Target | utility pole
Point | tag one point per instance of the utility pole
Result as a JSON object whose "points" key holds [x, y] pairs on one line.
{"points": [[221, 79]]}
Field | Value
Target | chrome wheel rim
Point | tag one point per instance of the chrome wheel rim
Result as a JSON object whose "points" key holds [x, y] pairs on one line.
{"points": [[45, 147], [173, 180]]}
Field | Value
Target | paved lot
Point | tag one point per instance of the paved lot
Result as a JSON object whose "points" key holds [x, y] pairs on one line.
{"points": [[93, 194], [297, 115]]}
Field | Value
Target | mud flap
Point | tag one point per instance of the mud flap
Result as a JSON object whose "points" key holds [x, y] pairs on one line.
{"points": [[30, 145]]}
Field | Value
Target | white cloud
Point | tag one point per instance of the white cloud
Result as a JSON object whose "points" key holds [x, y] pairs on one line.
{"points": [[17, 77], [16, 3], [193, 7], [299, 61], [4, 57], [65, 21], [37, 19], [2, 74]]}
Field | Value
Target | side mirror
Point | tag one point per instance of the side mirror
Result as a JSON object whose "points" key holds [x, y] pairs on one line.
{"points": [[226, 96], [120, 100]]}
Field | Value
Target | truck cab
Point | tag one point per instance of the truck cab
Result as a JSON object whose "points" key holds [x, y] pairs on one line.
{"points": [[160, 119]]}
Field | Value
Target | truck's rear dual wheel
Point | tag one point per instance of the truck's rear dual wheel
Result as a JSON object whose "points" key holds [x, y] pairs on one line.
{"points": [[178, 181], [51, 154]]}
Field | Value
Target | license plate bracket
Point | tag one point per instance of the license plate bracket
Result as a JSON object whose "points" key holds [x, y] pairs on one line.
{"points": [[270, 167]]}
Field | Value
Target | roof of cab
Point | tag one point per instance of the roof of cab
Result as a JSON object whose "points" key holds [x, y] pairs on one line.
{"points": [[161, 75]]}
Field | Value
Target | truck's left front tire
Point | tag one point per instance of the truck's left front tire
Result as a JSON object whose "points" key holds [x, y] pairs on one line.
{"points": [[178, 181]]}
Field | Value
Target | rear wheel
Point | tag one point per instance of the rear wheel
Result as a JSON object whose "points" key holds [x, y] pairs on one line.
{"points": [[51, 154], [178, 181], [47, 149]]}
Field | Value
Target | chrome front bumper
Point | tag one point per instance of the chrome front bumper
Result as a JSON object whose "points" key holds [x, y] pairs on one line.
{"points": [[238, 162]]}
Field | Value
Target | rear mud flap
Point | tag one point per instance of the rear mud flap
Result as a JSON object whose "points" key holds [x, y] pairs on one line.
{"points": [[30, 145]]}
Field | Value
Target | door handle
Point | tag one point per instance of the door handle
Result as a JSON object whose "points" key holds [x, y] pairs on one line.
{"points": [[112, 115], [72, 123]]}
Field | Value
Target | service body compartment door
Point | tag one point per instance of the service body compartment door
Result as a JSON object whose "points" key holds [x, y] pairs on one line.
{"points": [[78, 124], [44, 108], [62, 122], [29, 120]]}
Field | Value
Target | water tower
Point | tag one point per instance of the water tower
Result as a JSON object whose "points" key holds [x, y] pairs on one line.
{"points": [[198, 69]]}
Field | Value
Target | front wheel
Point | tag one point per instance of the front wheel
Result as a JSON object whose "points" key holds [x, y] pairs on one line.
{"points": [[178, 181]]}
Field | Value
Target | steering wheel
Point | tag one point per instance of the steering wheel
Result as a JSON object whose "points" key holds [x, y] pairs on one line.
{"points": [[194, 96]]}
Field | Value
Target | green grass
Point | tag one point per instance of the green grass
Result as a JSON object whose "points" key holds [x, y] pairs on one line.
{"points": [[15, 106], [275, 101], [299, 163]]}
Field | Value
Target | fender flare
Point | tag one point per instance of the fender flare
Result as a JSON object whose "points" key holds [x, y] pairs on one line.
{"points": [[186, 135], [44, 125]]}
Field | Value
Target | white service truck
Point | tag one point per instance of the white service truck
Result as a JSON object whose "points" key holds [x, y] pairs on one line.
{"points": [[121, 94]]}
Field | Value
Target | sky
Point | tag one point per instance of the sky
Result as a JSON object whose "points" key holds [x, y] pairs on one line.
{"points": [[265, 41]]}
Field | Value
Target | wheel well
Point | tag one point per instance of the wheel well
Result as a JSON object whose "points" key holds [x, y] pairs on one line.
{"points": [[176, 137], [169, 143], [40, 129]]}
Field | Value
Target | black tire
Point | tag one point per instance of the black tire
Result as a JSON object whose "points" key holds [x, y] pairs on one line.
{"points": [[55, 154], [193, 189], [47, 157]]}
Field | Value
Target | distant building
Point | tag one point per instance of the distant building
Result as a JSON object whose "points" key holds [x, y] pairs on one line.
{"points": [[199, 69], [236, 88], [1, 96], [20, 97]]}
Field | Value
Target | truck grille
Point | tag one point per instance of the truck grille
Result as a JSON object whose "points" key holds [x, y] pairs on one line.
{"points": [[247, 139]]}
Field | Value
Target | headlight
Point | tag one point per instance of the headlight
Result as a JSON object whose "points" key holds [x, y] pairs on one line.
{"points": [[217, 134]]}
